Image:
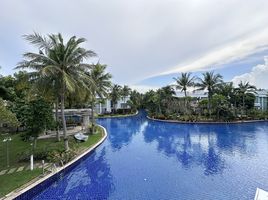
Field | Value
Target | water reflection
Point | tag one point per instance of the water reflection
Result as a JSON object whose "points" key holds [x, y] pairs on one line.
{"points": [[92, 181], [122, 129], [204, 145], [144, 159]]}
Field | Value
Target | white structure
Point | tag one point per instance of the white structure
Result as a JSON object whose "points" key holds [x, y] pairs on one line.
{"points": [[261, 99], [106, 105], [195, 94], [261, 194], [78, 115]]}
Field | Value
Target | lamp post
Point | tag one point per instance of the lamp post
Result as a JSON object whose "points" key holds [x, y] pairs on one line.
{"points": [[6, 140], [31, 158]]}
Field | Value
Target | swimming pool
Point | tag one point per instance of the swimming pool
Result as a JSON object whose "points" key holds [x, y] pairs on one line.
{"points": [[144, 159]]}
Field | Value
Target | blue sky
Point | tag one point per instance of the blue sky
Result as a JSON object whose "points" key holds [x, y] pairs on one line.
{"points": [[147, 43]]}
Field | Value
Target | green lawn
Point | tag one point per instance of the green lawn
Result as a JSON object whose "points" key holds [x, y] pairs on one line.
{"points": [[16, 146], [10, 182]]}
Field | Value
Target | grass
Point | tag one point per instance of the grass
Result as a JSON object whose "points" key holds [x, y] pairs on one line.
{"points": [[12, 181]]}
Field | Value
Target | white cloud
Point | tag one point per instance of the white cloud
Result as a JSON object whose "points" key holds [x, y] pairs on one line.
{"points": [[143, 88], [257, 76], [138, 39], [231, 52]]}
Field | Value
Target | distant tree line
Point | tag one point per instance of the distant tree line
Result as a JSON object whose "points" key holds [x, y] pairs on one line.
{"points": [[224, 102]]}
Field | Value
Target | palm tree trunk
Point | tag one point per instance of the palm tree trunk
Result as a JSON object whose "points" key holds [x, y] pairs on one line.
{"points": [[159, 107], [66, 145], [124, 105], [209, 106], [185, 101], [57, 119], [243, 104], [92, 118]]}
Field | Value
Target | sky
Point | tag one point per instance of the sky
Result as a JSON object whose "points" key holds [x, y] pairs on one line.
{"points": [[147, 43]]}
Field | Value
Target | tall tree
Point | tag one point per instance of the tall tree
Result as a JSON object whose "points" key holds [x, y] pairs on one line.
{"points": [[209, 82], [163, 97], [48, 87], [115, 95], [243, 89], [102, 83], [184, 81], [125, 93], [135, 101], [6, 116], [41, 110], [61, 62]]}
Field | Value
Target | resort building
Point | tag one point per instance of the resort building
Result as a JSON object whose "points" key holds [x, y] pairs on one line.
{"points": [[194, 94], [74, 117], [106, 105], [261, 99]]}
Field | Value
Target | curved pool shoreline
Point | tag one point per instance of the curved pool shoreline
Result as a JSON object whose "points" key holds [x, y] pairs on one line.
{"points": [[199, 122], [108, 117], [145, 159], [21, 193]]}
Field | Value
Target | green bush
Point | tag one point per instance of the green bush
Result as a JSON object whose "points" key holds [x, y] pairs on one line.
{"points": [[257, 114], [40, 154], [57, 156]]}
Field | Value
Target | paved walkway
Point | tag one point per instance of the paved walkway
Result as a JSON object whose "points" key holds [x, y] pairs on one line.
{"points": [[70, 131], [21, 168]]}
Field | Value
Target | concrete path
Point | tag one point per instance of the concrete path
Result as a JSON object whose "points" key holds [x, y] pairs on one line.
{"points": [[21, 168]]}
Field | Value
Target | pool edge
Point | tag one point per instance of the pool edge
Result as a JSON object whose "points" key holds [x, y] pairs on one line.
{"points": [[131, 115], [184, 122], [15, 194]]}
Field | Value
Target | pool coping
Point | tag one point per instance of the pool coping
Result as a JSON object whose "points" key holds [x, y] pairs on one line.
{"points": [[184, 122], [14, 194], [130, 115]]}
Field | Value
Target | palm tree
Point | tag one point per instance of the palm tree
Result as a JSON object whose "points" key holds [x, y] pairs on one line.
{"points": [[183, 82], [164, 95], [243, 89], [226, 89], [135, 100], [48, 88], [125, 92], [209, 82], [115, 95], [100, 87], [60, 62]]}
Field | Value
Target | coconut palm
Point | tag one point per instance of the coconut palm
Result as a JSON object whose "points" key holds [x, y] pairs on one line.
{"points": [[115, 95], [125, 92], [243, 89], [60, 62], [164, 96], [135, 100], [101, 85], [48, 88], [209, 82], [184, 81]]}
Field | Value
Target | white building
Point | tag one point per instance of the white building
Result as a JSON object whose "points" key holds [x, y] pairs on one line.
{"points": [[199, 94], [261, 99], [106, 106]]}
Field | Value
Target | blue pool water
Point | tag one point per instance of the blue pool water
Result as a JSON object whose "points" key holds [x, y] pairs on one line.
{"points": [[149, 160]]}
